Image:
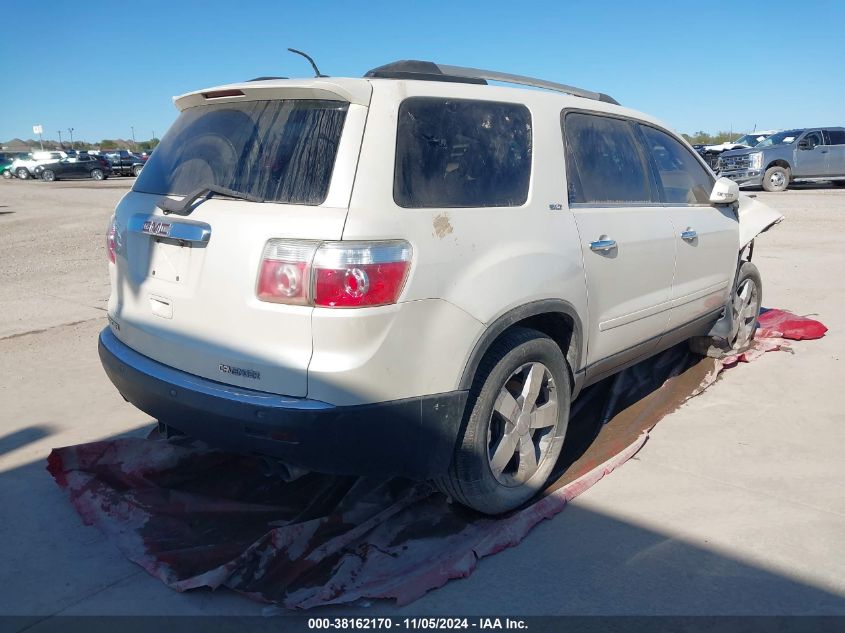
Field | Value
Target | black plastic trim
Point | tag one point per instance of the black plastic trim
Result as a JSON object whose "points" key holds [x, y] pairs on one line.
{"points": [[413, 437], [609, 365], [535, 308]]}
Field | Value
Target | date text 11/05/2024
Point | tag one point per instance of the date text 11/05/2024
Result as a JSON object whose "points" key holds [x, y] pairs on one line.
{"points": [[426, 623]]}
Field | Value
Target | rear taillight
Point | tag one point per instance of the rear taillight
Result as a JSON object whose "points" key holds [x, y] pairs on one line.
{"points": [[333, 274], [111, 240], [284, 276]]}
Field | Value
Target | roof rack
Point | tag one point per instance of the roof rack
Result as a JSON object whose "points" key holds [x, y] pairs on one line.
{"points": [[429, 71]]}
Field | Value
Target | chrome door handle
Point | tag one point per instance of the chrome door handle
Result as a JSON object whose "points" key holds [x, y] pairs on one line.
{"points": [[689, 235], [603, 244]]}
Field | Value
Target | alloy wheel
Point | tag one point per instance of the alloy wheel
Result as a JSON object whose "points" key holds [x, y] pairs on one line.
{"points": [[777, 179], [522, 423], [745, 312]]}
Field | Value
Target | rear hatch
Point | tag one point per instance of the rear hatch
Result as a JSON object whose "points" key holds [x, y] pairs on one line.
{"points": [[184, 285]]}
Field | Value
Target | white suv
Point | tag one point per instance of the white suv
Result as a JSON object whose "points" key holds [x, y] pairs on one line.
{"points": [[414, 273], [24, 168]]}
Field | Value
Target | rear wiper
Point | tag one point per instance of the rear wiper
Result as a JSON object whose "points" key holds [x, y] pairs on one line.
{"points": [[186, 205]]}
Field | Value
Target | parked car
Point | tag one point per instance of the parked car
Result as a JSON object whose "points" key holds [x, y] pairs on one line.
{"points": [[83, 166], [415, 273], [810, 154], [124, 162], [711, 153], [24, 168]]}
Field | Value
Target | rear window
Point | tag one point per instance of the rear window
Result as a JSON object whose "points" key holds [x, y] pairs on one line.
{"points": [[280, 151], [462, 153]]}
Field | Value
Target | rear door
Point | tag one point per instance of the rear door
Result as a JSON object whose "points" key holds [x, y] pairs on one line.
{"points": [[80, 167], [627, 239], [184, 287], [706, 236], [835, 140]]}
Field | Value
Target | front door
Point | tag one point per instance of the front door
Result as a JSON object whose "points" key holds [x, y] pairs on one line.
{"points": [[811, 161], [706, 236], [627, 239]]}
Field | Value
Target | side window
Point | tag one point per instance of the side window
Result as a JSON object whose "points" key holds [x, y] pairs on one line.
{"points": [[682, 177], [813, 139], [603, 161], [462, 153], [835, 137]]}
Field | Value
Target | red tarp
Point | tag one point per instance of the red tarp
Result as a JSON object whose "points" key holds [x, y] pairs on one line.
{"points": [[193, 516]]}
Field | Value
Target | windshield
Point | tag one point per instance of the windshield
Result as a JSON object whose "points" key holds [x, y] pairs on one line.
{"points": [[280, 151], [750, 139], [781, 137]]}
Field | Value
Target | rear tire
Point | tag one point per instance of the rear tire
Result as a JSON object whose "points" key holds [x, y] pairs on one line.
{"points": [[22, 173], [48, 175], [136, 170], [746, 301], [97, 174], [514, 424], [7, 174], [776, 178]]}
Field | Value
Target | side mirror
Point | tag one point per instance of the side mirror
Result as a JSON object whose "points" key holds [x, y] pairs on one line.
{"points": [[725, 191], [804, 144]]}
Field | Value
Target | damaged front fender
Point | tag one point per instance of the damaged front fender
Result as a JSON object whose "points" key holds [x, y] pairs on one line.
{"points": [[755, 217]]}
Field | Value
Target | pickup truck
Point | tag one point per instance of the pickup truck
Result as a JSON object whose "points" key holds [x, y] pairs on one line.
{"points": [[810, 154], [124, 162], [710, 153]]}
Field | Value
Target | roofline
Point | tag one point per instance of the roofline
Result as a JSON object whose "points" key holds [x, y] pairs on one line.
{"points": [[430, 71]]}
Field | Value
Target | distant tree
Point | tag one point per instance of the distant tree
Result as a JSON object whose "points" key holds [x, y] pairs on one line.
{"points": [[108, 144], [704, 138], [147, 145]]}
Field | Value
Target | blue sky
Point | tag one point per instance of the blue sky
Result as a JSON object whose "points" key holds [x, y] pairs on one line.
{"points": [[104, 67]]}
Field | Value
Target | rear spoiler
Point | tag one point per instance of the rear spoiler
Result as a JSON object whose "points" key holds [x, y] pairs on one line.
{"points": [[356, 91]]}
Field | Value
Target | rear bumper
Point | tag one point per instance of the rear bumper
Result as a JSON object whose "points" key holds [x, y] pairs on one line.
{"points": [[413, 437]]}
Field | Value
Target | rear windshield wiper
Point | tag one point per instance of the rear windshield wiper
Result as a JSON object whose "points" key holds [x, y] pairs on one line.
{"points": [[185, 206]]}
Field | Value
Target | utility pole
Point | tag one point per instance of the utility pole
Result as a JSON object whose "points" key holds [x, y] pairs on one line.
{"points": [[60, 140], [70, 129]]}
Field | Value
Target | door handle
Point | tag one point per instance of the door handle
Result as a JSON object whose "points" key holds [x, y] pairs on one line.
{"points": [[603, 244], [689, 235]]}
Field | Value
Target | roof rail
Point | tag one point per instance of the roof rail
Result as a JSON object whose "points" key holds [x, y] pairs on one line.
{"points": [[429, 71]]}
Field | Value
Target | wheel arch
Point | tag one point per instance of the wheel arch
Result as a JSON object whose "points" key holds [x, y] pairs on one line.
{"points": [[779, 162], [556, 318]]}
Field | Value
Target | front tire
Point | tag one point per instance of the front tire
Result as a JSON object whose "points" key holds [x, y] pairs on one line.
{"points": [[48, 175], [746, 301], [776, 178], [22, 173], [97, 174], [136, 170], [514, 425]]}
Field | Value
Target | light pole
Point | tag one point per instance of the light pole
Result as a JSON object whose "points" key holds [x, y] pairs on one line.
{"points": [[134, 144], [70, 129], [60, 140]]}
